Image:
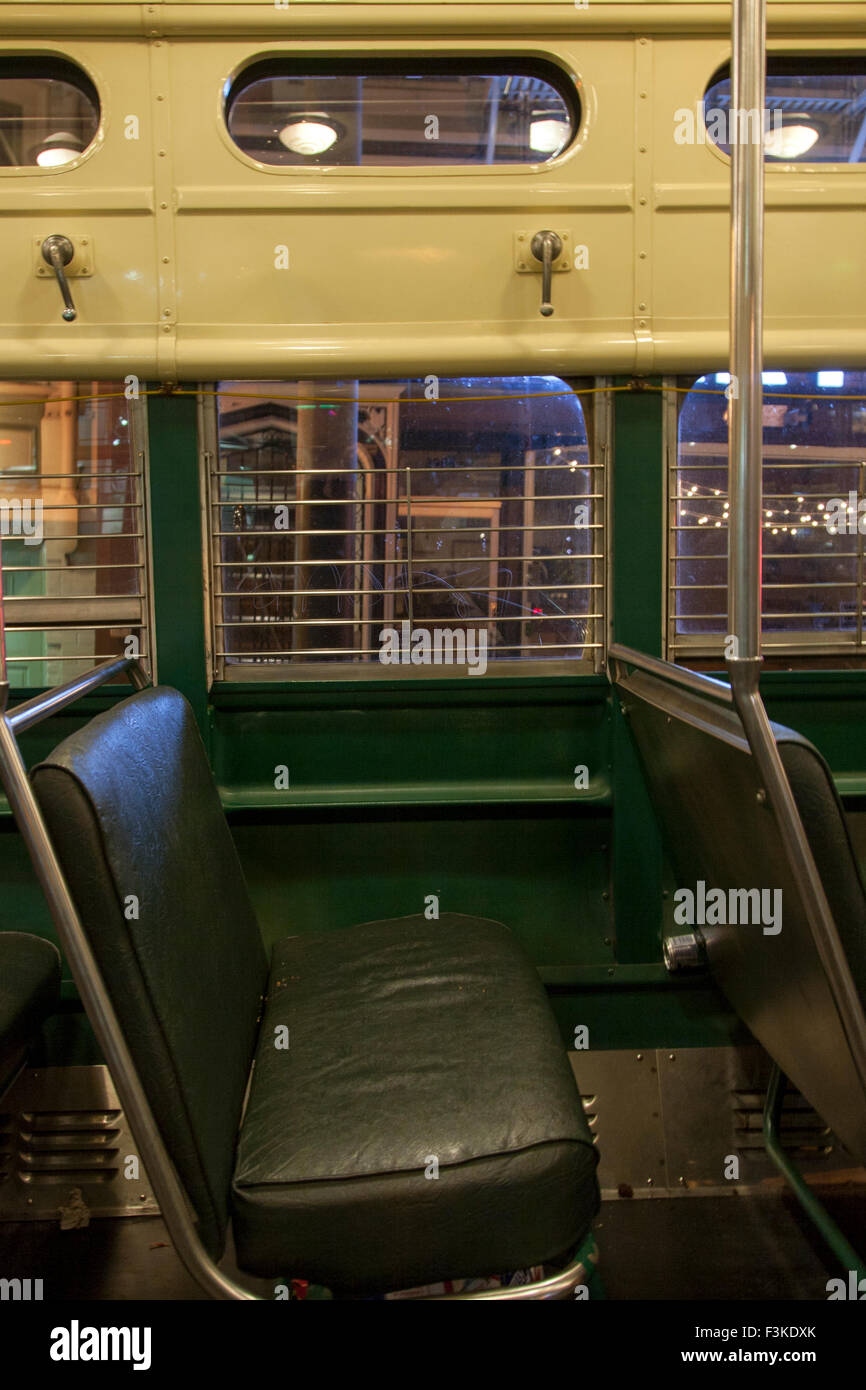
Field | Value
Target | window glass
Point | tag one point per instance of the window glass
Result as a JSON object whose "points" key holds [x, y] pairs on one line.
{"points": [[815, 111], [49, 112], [814, 506], [347, 517], [72, 528], [377, 114]]}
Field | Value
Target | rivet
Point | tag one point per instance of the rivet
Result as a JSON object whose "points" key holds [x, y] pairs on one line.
{"points": [[639, 1057], [642, 149], [672, 1056], [642, 202], [650, 1182], [760, 796], [643, 255], [163, 205], [642, 307]]}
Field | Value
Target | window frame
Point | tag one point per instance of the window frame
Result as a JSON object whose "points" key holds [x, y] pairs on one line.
{"points": [[141, 605], [595, 399], [782, 55], [67, 68], [547, 64], [811, 651]]}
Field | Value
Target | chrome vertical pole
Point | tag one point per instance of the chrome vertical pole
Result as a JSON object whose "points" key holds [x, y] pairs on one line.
{"points": [[2, 624], [745, 397]]}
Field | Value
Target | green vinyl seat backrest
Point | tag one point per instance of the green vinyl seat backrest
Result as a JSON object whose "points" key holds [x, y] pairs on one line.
{"points": [[829, 836], [138, 827]]}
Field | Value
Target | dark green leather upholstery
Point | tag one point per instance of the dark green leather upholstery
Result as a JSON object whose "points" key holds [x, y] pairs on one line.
{"points": [[826, 827], [29, 993], [410, 1040], [134, 813]]}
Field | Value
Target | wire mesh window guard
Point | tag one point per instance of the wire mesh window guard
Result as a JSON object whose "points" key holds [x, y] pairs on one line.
{"points": [[814, 479], [402, 528], [73, 523]]}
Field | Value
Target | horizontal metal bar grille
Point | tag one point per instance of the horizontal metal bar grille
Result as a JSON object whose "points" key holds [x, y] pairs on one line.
{"points": [[344, 533], [74, 537], [812, 566]]}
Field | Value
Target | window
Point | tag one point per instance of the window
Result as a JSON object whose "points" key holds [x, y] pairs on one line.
{"points": [[815, 110], [72, 524], [378, 113], [814, 515], [49, 112], [394, 528]]}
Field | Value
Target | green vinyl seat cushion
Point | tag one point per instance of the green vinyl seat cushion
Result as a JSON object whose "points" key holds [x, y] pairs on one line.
{"points": [[29, 993], [412, 1115]]}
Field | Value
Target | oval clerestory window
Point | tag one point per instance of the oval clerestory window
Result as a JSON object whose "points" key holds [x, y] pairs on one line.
{"points": [[814, 112], [49, 112], [383, 114]]}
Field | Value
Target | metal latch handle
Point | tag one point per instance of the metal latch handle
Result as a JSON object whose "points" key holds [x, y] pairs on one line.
{"points": [[546, 247], [58, 251]]}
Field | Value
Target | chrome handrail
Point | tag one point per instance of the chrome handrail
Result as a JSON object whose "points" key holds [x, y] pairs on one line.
{"points": [[169, 1192], [666, 670], [40, 707]]}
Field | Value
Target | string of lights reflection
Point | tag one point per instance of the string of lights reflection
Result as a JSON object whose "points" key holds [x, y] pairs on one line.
{"points": [[332, 403]]}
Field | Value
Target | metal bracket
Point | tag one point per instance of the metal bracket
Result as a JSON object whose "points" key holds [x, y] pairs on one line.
{"points": [[81, 265], [526, 264]]}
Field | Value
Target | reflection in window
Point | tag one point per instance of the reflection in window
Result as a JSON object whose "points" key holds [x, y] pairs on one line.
{"points": [[344, 512], [49, 112], [382, 115], [72, 521], [814, 474], [815, 111]]}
